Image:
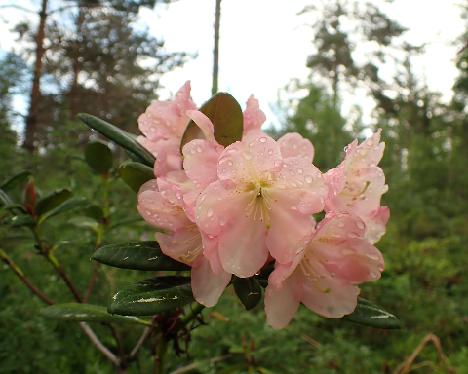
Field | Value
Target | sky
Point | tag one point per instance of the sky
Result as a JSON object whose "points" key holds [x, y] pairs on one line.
{"points": [[264, 45]]}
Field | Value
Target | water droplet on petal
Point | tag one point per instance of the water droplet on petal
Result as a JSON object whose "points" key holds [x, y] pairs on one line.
{"points": [[262, 139], [210, 213], [308, 179]]}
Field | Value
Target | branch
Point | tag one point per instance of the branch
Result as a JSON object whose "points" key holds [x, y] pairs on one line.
{"points": [[7, 260], [97, 343], [145, 335], [17, 7], [92, 282]]}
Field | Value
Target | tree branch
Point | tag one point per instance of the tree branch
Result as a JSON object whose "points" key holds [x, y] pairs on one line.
{"points": [[12, 265], [97, 343], [18, 7]]}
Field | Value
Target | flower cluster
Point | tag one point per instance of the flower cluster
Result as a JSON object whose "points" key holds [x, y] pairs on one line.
{"points": [[234, 210]]}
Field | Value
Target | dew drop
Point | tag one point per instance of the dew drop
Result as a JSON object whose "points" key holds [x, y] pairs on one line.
{"points": [[308, 179], [210, 213], [262, 139]]}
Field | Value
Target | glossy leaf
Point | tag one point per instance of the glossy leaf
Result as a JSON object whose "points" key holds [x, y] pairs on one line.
{"points": [[98, 156], [248, 291], [21, 220], [369, 314], [52, 201], [5, 199], [68, 206], [137, 256], [135, 174], [88, 313], [152, 296], [17, 181], [226, 115], [119, 137]]}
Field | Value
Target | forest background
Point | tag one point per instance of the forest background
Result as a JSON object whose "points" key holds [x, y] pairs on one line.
{"points": [[96, 56]]}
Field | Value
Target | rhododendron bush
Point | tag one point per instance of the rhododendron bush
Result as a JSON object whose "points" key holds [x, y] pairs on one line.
{"points": [[224, 204], [231, 205]]}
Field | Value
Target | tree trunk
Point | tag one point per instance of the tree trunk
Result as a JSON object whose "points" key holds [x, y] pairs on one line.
{"points": [[35, 98], [214, 88], [76, 65]]}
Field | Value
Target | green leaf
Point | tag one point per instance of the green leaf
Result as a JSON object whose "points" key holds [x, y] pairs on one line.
{"points": [[52, 201], [248, 291], [152, 296], [95, 212], [226, 115], [135, 174], [99, 157], [5, 198], [118, 136], [137, 256], [369, 314], [88, 313], [67, 206], [21, 220], [16, 181]]}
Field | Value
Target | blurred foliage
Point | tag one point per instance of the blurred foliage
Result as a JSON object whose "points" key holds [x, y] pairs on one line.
{"points": [[425, 163]]}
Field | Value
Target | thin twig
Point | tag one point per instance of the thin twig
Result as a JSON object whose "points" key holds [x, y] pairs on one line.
{"points": [[14, 267], [92, 282], [145, 335], [407, 365], [97, 343]]}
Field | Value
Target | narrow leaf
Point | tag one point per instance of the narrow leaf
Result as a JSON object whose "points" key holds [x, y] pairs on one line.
{"points": [[153, 296], [137, 256], [135, 174], [16, 181], [248, 291], [226, 115], [21, 220], [52, 201], [369, 314], [88, 313], [67, 206], [118, 136], [99, 157]]}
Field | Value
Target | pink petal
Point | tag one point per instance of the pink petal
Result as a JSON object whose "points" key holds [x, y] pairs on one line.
{"points": [[290, 228], [204, 123], [200, 161], [218, 208], [158, 211], [168, 157], [184, 245], [242, 249], [207, 286], [293, 144], [339, 245], [281, 305], [253, 116], [256, 158], [375, 225], [329, 297]]}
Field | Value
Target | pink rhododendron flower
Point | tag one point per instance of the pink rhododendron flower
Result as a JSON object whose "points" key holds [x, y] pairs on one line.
{"points": [[181, 240], [325, 275], [163, 125], [261, 203], [357, 184], [253, 116]]}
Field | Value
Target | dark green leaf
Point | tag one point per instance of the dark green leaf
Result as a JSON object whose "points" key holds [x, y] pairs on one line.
{"points": [[52, 201], [5, 198], [67, 206], [226, 114], [88, 313], [21, 220], [138, 256], [135, 174], [118, 136], [99, 157], [95, 212], [248, 291], [369, 314], [153, 296], [17, 181]]}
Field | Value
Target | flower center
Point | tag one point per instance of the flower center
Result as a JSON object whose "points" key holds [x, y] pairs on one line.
{"points": [[259, 206]]}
